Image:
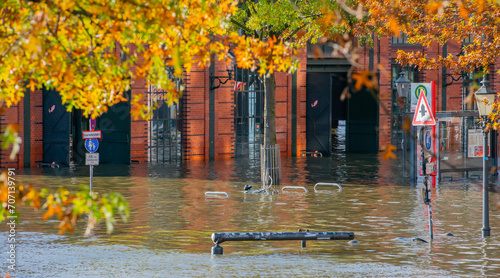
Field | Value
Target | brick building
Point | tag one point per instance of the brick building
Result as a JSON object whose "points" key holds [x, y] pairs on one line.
{"points": [[217, 120]]}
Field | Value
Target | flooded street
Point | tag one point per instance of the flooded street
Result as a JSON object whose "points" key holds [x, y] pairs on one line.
{"points": [[168, 233]]}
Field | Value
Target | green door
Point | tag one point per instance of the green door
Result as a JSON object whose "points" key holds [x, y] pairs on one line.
{"points": [[114, 145], [56, 129], [362, 122]]}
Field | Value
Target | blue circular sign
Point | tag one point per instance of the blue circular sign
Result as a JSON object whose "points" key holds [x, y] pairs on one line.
{"points": [[91, 145], [428, 140]]}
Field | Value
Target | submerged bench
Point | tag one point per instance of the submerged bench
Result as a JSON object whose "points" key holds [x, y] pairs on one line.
{"points": [[218, 238]]}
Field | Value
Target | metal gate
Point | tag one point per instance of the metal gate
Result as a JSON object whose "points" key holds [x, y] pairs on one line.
{"points": [[56, 129], [114, 146], [164, 140], [248, 113]]}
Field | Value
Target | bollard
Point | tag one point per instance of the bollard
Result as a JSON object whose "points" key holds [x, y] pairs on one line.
{"points": [[218, 238], [217, 250]]}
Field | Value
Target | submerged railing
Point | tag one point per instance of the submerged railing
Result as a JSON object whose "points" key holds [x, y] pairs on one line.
{"points": [[218, 238]]}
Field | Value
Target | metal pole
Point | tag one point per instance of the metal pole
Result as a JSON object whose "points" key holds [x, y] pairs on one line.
{"points": [[430, 221], [403, 148], [91, 176], [486, 222]]}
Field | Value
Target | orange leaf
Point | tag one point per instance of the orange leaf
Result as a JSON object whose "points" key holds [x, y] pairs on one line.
{"points": [[49, 213], [388, 153]]}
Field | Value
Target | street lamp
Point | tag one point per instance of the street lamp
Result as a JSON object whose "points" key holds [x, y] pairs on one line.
{"points": [[484, 99], [403, 86]]}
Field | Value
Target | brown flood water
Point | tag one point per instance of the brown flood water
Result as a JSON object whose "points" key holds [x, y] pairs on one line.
{"points": [[171, 221]]}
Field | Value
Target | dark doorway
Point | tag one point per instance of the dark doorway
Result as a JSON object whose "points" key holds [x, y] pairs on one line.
{"points": [[56, 129], [79, 124], [324, 110], [114, 145], [362, 122]]}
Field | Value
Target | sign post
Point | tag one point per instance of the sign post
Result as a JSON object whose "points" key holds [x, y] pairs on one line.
{"points": [[425, 116], [92, 144]]}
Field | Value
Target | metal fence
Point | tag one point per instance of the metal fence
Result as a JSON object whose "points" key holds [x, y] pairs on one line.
{"points": [[270, 165], [164, 139], [248, 113]]}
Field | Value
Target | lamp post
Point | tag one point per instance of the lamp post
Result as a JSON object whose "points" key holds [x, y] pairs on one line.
{"points": [[403, 87], [484, 99]]}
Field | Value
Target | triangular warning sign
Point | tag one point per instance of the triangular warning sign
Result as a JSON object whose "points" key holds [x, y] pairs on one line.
{"points": [[423, 113]]}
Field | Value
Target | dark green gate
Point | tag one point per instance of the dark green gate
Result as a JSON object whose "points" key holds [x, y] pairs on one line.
{"points": [[56, 129], [319, 113], [114, 145]]}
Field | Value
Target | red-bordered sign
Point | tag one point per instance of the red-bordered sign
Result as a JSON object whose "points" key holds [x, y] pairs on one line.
{"points": [[92, 124], [423, 113], [94, 134]]}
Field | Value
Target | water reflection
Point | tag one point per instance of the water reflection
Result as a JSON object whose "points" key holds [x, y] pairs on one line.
{"points": [[172, 220]]}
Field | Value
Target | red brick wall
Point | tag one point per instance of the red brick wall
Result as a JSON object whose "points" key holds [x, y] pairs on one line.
{"points": [[15, 115], [301, 102], [224, 115], [196, 112], [36, 103], [384, 53], [139, 127], [12, 115]]}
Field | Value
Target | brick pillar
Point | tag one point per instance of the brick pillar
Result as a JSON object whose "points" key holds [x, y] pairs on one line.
{"points": [[139, 127]]}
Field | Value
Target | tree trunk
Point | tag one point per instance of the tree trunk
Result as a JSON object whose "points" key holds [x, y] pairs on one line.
{"points": [[269, 111], [270, 160]]}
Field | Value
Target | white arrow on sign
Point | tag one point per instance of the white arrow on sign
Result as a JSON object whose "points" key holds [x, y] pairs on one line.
{"points": [[423, 113]]}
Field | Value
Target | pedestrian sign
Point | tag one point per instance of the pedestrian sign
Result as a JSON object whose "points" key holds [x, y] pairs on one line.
{"points": [[91, 145], [423, 113]]}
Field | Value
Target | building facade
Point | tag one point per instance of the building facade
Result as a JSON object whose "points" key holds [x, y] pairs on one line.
{"points": [[219, 118]]}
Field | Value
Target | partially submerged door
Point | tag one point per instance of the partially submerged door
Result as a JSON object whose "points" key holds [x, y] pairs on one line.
{"points": [[318, 113], [56, 129], [114, 145]]}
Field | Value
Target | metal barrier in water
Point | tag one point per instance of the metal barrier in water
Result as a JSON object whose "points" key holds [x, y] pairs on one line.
{"points": [[217, 193], [294, 187], [315, 153], [218, 238], [328, 183], [47, 165]]}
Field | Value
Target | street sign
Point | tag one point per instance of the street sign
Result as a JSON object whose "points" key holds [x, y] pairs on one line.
{"points": [[416, 89], [423, 114], [92, 159], [94, 134], [92, 124], [91, 145], [428, 140]]}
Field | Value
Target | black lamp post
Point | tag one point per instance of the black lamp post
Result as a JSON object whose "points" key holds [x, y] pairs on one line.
{"points": [[484, 99], [403, 87]]}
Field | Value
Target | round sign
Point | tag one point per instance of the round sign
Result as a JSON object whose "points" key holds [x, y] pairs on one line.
{"points": [[419, 90], [91, 145], [428, 139]]}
